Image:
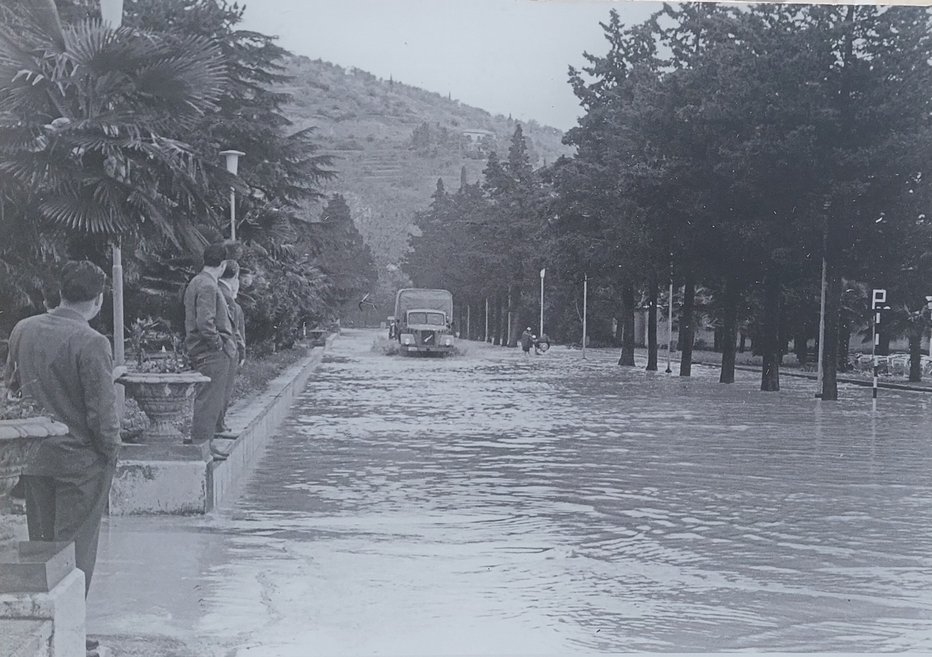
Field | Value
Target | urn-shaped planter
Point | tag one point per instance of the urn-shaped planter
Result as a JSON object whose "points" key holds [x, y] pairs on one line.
{"points": [[19, 440], [164, 398]]}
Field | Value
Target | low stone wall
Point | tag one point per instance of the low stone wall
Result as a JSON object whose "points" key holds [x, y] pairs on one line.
{"points": [[185, 480], [255, 422]]}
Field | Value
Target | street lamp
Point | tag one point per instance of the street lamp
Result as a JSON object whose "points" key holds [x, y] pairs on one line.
{"points": [[111, 12], [232, 158]]}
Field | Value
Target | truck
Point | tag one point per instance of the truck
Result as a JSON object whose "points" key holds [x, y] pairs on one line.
{"points": [[423, 321]]}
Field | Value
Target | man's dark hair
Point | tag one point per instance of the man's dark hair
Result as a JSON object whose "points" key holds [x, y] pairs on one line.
{"points": [[231, 270], [81, 280], [214, 254]]}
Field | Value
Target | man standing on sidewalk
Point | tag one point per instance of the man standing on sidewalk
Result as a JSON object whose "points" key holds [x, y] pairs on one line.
{"points": [[229, 288], [209, 342], [63, 364]]}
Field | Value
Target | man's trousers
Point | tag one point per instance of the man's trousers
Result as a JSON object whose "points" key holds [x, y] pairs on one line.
{"points": [[210, 398], [68, 508], [228, 394]]}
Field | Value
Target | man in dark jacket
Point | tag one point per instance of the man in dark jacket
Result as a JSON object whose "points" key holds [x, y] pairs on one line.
{"points": [[527, 340], [66, 367], [229, 287], [209, 342]]}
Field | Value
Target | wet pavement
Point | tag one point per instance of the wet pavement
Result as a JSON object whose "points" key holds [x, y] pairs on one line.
{"points": [[490, 504]]}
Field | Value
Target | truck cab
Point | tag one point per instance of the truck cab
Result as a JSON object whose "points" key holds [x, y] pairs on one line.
{"points": [[423, 320]]}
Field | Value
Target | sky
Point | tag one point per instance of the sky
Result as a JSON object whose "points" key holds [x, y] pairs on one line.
{"points": [[504, 56]]}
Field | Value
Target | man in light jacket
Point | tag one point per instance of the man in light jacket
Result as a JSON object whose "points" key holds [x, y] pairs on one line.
{"points": [[66, 367]]}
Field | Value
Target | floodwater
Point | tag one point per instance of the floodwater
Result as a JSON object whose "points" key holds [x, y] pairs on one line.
{"points": [[490, 504]]}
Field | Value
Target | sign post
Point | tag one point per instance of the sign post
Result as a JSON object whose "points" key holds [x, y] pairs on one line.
{"points": [[877, 297]]}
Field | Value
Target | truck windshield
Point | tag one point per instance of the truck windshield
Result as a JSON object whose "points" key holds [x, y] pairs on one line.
{"points": [[434, 319]]}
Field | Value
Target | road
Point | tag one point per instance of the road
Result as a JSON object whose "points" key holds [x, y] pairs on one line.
{"points": [[490, 504]]}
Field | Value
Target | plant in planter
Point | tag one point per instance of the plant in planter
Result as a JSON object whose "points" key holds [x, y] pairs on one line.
{"points": [[161, 382]]}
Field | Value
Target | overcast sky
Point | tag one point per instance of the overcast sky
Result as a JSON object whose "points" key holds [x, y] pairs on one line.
{"points": [[505, 56]]}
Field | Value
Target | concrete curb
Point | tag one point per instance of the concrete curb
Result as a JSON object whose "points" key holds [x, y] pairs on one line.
{"points": [[256, 421], [194, 486], [841, 379]]}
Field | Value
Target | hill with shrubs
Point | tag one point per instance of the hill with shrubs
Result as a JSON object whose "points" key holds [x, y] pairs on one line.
{"points": [[391, 142]]}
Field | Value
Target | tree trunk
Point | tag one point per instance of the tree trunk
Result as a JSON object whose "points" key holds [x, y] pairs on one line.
{"points": [[687, 328], [652, 322], [844, 337], [509, 315], [770, 335], [627, 326], [514, 298], [503, 320], [800, 347], [915, 355], [832, 320], [729, 332]]}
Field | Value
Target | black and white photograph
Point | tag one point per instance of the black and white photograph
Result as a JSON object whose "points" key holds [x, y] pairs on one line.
{"points": [[465, 328]]}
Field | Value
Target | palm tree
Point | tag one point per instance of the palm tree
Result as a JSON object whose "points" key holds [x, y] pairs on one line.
{"points": [[87, 119]]}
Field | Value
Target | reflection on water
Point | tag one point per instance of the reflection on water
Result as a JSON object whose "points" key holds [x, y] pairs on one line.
{"points": [[489, 504]]}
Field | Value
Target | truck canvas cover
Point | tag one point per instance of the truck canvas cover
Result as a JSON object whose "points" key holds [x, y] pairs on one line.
{"points": [[421, 299]]}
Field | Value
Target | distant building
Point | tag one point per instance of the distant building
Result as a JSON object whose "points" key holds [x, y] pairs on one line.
{"points": [[475, 137]]}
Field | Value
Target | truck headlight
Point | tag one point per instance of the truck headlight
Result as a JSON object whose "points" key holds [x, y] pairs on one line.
{"points": [[407, 338], [448, 340]]}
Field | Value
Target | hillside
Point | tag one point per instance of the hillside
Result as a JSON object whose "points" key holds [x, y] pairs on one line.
{"points": [[391, 142]]}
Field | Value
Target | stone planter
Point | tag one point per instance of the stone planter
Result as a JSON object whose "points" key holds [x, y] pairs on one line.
{"points": [[164, 399], [19, 440]]}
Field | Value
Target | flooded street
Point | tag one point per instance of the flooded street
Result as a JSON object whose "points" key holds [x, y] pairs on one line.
{"points": [[490, 504]]}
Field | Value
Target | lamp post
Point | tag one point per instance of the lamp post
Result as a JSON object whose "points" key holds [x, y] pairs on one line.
{"points": [[542, 274], [670, 329], [232, 158], [585, 300], [111, 13]]}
